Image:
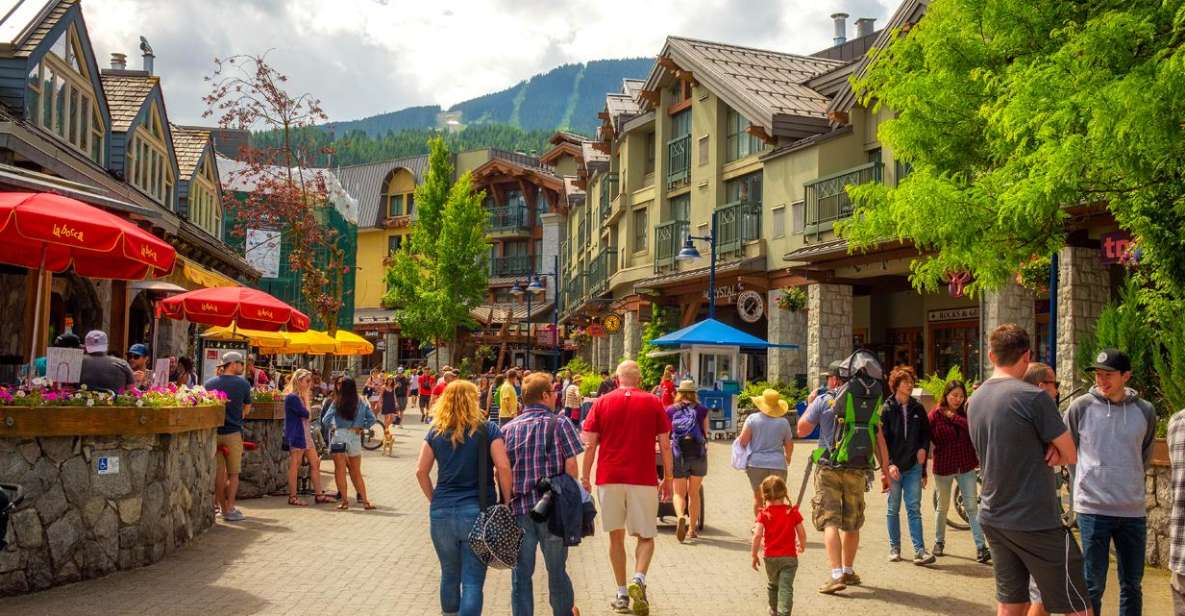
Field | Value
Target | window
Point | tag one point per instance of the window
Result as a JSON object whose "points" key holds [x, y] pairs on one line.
{"points": [[641, 229], [703, 150], [745, 189], [205, 210], [681, 124], [60, 98], [739, 142], [148, 159], [797, 217], [779, 221], [651, 145], [875, 155], [400, 205], [681, 208], [394, 243]]}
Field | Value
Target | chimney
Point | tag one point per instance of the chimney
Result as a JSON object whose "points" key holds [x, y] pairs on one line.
{"points": [[864, 26], [119, 61], [148, 55], [841, 26]]}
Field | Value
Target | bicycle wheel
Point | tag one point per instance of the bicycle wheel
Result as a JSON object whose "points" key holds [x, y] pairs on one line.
{"points": [[372, 437]]}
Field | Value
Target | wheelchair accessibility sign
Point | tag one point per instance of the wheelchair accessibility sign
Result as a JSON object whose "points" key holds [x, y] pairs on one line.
{"points": [[107, 465]]}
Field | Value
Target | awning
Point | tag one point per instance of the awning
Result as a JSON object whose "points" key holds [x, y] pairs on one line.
{"points": [[349, 343], [195, 276], [713, 332], [254, 337]]}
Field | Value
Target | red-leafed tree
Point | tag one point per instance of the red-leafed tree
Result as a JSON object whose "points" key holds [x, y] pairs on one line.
{"points": [[276, 187]]}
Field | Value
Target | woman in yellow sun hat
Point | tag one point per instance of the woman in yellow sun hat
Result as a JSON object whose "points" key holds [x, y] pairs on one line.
{"points": [[769, 436]]}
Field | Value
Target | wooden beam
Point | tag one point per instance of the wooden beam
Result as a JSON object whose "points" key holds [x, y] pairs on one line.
{"points": [[667, 63], [650, 96], [759, 132], [838, 117]]}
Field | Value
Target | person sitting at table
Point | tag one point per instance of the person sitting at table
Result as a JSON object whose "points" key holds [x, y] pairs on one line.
{"points": [[100, 370], [138, 360]]}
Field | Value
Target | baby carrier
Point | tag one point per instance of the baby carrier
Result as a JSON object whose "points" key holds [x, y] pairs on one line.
{"points": [[857, 406]]}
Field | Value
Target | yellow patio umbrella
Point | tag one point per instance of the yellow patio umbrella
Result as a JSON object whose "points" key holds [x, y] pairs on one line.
{"points": [[255, 337], [349, 343], [312, 342]]}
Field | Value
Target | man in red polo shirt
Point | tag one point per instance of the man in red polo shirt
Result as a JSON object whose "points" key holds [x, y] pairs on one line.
{"points": [[438, 389], [622, 427]]}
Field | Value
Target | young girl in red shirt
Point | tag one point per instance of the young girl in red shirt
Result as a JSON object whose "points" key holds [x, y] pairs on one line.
{"points": [[779, 527]]}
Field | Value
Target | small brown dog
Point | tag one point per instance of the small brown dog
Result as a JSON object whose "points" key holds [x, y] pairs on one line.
{"points": [[388, 443]]}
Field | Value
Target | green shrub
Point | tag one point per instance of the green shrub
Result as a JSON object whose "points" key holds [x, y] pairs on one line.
{"points": [[789, 392], [1123, 325], [935, 384], [579, 366], [589, 383]]}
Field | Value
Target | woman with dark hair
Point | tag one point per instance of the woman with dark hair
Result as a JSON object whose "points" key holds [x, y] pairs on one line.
{"points": [[955, 461], [907, 436], [184, 375], [349, 415]]}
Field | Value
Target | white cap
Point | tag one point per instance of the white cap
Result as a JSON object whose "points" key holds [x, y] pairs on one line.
{"points": [[96, 341]]}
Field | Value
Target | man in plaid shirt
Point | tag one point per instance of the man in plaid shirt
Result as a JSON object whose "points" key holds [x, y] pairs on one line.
{"points": [[1176, 440], [539, 444]]}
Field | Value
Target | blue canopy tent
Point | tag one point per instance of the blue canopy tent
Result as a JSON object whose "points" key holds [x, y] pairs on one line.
{"points": [[710, 351]]}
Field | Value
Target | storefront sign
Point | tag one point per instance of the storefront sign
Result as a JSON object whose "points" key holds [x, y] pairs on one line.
{"points": [[750, 306], [596, 330], [726, 294], [545, 335], [954, 314], [1118, 247]]}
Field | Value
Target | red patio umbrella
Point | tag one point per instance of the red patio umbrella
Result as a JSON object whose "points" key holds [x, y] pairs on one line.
{"points": [[50, 232], [244, 307]]}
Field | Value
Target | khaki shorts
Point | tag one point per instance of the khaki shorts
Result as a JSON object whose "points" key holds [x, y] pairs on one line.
{"points": [[232, 461], [634, 508], [757, 475], [839, 499]]}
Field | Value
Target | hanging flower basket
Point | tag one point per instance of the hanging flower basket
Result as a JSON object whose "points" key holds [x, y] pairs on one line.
{"points": [[792, 299]]}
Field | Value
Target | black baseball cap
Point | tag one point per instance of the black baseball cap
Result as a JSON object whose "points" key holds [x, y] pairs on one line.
{"points": [[1111, 360]]}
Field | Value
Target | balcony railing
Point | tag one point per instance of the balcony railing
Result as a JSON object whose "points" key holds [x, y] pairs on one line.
{"points": [[510, 218], [737, 223], [600, 270], [827, 198], [573, 292], [678, 160], [608, 194], [668, 239], [506, 267]]}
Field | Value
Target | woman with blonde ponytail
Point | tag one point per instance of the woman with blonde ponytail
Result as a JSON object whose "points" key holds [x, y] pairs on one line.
{"points": [[458, 425], [297, 399]]}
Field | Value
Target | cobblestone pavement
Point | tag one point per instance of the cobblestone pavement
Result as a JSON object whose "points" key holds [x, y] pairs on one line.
{"points": [[287, 560]]}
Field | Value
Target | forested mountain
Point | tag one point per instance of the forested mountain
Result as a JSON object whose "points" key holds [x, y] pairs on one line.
{"points": [[567, 97]]}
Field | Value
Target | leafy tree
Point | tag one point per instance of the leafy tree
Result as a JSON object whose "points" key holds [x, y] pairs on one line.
{"points": [[1017, 115], [462, 253], [1124, 325], [662, 322]]}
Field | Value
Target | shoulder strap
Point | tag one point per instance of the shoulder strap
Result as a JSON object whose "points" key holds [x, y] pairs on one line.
{"points": [[483, 466]]}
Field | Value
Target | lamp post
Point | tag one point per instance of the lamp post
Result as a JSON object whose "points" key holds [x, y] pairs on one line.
{"points": [[689, 253], [535, 287], [518, 291]]}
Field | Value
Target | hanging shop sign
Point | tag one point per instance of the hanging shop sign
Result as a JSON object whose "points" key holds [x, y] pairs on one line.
{"points": [[596, 330], [970, 313], [1119, 247], [612, 323], [545, 335], [750, 306]]}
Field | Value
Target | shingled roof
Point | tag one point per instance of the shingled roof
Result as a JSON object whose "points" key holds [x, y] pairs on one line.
{"points": [[126, 91], [907, 14], [365, 183], [24, 24], [189, 142], [767, 87]]}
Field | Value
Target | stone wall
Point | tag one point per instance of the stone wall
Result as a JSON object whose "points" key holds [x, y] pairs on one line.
{"points": [[1083, 291], [265, 469], [75, 524], [1158, 488], [616, 348], [785, 327], [631, 332], [1011, 304], [829, 327]]}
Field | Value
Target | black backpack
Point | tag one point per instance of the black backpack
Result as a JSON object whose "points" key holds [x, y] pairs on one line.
{"points": [[857, 414]]}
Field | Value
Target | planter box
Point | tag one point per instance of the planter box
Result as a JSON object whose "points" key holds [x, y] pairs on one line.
{"points": [[1160, 453], [270, 410], [25, 422]]}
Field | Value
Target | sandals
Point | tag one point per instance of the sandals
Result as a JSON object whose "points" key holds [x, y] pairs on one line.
{"points": [[296, 502], [343, 505], [366, 506], [321, 499]]}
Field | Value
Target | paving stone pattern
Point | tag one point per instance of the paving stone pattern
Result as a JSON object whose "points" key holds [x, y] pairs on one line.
{"points": [[288, 561]]}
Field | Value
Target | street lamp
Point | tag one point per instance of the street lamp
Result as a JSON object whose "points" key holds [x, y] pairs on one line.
{"points": [[535, 287], [518, 291], [689, 253]]}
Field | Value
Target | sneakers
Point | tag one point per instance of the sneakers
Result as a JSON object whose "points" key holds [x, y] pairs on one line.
{"points": [[851, 579], [983, 555], [832, 586], [894, 554], [939, 548], [681, 529], [621, 604], [923, 558], [234, 515], [637, 590]]}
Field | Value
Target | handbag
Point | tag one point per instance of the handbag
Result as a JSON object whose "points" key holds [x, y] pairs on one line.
{"points": [[740, 455], [495, 538]]}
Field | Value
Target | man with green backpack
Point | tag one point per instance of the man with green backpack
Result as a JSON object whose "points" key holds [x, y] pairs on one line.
{"points": [[848, 416]]}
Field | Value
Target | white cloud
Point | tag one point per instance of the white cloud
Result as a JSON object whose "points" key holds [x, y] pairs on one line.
{"points": [[363, 57]]}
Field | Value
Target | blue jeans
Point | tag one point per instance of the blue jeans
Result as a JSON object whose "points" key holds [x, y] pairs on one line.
{"points": [[462, 575], [910, 485], [1130, 536], [555, 558], [967, 486]]}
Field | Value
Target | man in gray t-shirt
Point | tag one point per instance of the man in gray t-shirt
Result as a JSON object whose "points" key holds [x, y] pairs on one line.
{"points": [[1018, 436]]}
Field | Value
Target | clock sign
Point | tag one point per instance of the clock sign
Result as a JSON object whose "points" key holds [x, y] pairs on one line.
{"points": [[750, 306]]}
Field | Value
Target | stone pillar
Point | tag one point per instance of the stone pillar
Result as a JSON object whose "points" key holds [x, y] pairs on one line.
{"points": [[553, 225], [391, 354], [1083, 291], [785, 327], [829, 327], [599, 350], [1011, 304], [616, 347], [631, 333]]}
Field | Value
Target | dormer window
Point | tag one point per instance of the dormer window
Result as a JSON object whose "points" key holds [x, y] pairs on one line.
{"points": [[148, 165], [204, 209], [60, 97]]}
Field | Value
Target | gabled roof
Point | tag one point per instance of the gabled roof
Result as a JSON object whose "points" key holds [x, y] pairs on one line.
{"points": [[189, 143], [908, 13], [501, 166], [126, 92], [564, 136], [25, 23], [767, 87], [365, 183]]}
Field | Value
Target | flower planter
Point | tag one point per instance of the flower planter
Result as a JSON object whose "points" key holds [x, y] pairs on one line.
{"points": [[26, 422], [1160, 453], [269, 409], [265, 468]]}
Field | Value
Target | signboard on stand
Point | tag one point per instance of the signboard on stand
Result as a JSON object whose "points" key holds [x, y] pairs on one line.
{"points": [[211, 355], [63, 365]]}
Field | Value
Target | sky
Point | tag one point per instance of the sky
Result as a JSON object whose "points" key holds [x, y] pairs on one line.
{"points": [[365, 57]]}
